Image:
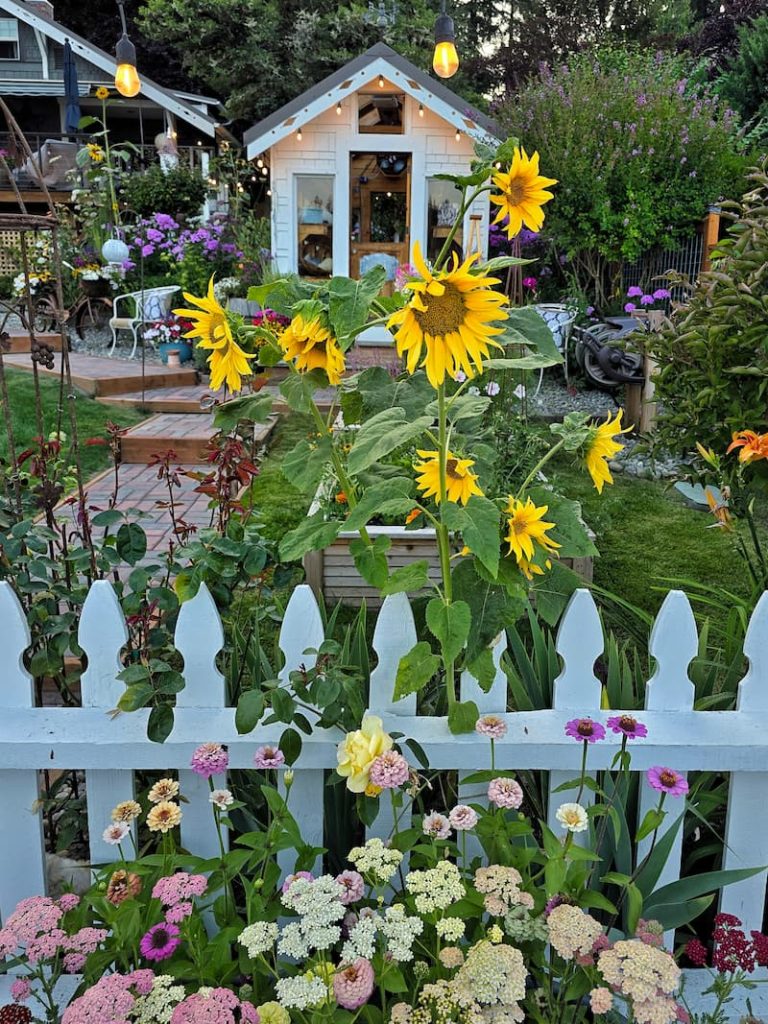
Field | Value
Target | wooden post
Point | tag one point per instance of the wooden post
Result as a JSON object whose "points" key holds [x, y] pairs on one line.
{"points": [[314, 570], [711, 237]]}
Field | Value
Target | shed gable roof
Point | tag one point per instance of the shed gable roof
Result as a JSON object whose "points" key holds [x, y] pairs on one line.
{"points": [[100, 59], [379, 59]]}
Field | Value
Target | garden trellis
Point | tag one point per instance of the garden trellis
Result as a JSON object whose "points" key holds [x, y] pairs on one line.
{"points": [[110, 746]]}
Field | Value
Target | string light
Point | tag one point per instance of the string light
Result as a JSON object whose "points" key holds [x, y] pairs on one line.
{"points": [[338, 109], [381, 81], [299, 135], [269, 191], [421, 110], [127, 81], [259, 163], [445, 62], [458, 134]]}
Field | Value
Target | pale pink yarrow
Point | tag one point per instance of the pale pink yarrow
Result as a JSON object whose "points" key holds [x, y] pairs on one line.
{"points": [[462, 818], [600, 1000], [269, 757], [21, 990], [173, 889], [209, 759], [32, 915], [177, 913], [86, 940], [110, 999], [115, 833], [353, 885], [436, 825], [216, 1006], [505, 793], [389, 770], [74, 962], [69, 901], [491, 726], [353, 985]]}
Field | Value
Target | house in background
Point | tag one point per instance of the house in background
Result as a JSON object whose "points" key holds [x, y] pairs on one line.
{"points": [[32, 85], [353, 164]]}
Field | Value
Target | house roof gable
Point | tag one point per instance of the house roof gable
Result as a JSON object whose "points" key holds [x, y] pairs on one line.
{"points": [[59, 33], [379, 59]]}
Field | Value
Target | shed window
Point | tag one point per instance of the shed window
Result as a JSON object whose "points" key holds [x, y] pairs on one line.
{"points": [[314, 208], [9, 39], [380, 112]]}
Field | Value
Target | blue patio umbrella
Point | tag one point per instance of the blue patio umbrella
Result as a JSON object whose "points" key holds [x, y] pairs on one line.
{"points": [[71, 91]]}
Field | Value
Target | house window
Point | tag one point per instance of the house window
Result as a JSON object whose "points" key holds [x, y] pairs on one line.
{"points": [[380, 112], [9, 39], [443, 205], [314, 209]]}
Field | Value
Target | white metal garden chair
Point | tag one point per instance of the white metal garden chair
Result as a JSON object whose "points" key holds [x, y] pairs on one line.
{"points": [[560, 319], [131, 311]]}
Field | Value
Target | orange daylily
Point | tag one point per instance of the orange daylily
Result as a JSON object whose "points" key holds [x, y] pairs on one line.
{"points": [[719, 510], [753, 446]]}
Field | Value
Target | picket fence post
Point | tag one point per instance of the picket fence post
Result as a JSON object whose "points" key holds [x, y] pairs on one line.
{"points": [[393, 637], [746, 825], [302, 629], [199, 638], [579, 643], [22, 853], [102, 634]]}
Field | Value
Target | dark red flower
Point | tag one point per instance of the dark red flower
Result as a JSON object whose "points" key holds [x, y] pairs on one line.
{"points": [[696, 952]]}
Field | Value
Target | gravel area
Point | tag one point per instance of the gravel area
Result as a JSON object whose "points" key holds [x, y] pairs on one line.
{"points": [[98, 343]]}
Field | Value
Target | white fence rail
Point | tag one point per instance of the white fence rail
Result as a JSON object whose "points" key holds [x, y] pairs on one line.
{"points": [[110, 747]]}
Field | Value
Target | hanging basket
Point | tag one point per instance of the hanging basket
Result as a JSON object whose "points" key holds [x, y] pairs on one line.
{"points": [[98, 289]]}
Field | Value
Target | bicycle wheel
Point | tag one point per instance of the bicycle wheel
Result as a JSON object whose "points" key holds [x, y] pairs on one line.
{"points": [[92, 315]]}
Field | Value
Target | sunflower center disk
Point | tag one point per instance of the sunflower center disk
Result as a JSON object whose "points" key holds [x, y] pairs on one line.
{"points": [[451, 467], [444, 313], [516, 192]]}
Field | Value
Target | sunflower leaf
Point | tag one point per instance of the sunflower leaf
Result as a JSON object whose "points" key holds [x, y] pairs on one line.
{"points": [[570, 531], [462, 716], [349, 302], [312, 534], [533, 362], [371, 559], [305, 464], [415, 670], [390, 497], [413, 576], [381, 434], [478, 524], [450, 624], [255, 408]]}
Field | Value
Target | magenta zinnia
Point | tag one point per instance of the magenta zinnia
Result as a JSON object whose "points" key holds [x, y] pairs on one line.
{"points": [[585, 729], [627, 726], [667, 780]]}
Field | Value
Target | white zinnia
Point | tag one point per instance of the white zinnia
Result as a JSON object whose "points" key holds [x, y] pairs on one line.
{"points": [[115, 833], [572, 817]]}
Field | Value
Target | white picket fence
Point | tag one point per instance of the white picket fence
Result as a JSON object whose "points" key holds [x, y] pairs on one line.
{"points": [[110, 747]]}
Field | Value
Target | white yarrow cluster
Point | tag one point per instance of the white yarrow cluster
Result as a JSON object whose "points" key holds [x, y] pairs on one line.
{"points": [[157, 1006], [450, 928], [361, 941], [258, 937], [301, 992], [375, 860], [436, 888], [318, 904], [400, 931]]}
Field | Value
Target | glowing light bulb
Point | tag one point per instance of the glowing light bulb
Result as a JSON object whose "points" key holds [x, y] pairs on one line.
{"points": [[421, 110], [259, 163], [127, 81], [338, 109], [381, 81], [458, 134], [445, 62], [299, 135]]}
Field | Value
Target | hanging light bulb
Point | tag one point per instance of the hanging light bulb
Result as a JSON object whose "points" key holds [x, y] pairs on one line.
{"points": [[445, 62], [381, 81], [259, 163], [127, 81], [421, 110], [458, 134], [269, 191], [299, 135], [338, 109]]}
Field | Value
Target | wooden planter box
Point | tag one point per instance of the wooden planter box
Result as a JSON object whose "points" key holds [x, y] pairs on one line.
{"points": [[332, 572]]}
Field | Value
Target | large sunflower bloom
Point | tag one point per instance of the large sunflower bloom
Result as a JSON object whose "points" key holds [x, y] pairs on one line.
{"points": [[527, 531], [460, 481], [227, 361], [753, 446], [449, 320], [312, 347], [603, 447], [522, 193]]}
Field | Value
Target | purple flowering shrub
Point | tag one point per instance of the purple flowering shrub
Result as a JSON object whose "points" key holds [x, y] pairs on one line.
{"points": [[640, 151]]}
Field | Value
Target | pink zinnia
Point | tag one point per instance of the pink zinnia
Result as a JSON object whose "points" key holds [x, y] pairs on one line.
{"points": [[505, 793], [160, 942], [436, 825], [491, 726], [628, 726], [462, 818], [667, 780], [585, 729], [290, 879], [353, 885], [269, 757], [209, 759], [353, 985], [389, 770]]}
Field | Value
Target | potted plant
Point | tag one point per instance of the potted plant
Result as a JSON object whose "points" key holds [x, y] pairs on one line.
{"points": [[168, 335]]}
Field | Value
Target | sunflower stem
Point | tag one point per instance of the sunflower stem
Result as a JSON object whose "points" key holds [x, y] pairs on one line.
{"points": [[463, 207], [539, 466], [443, 542]]}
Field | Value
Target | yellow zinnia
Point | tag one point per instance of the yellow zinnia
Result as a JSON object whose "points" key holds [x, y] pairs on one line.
{"points": [[359, 749], [312, 347], [601, 448], [460, 481], [522, 193], [449, 320], [527, 530], [227, 361]]}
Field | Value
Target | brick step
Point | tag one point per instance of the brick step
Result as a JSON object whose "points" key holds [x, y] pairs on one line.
{"points": [[103, 377], [20, 341], [186, 434], [187, 399]]}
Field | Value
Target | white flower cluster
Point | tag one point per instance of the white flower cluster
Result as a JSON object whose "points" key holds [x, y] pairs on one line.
{"points": [[436, 888], [450, 928], [157, 1006], [318, 904], [300, 993], [258, 937], [376, 860], [400, 931], [361, 941], [494, 976]]}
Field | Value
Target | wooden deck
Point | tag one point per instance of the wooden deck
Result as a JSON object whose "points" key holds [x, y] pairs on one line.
{"points": [[101, 377], [19, 342]]}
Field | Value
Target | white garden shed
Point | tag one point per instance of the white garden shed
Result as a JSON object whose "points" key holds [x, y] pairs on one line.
{"points": [[353, 164]]}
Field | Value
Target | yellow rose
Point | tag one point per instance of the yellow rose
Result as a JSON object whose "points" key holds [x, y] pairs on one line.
{"points": [[359, 749]]}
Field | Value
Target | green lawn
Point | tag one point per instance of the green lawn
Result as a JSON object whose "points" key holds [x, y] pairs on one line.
{"points": [[278, 505], [91, 418]]}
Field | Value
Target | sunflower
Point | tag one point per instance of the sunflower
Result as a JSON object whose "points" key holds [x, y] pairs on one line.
{"points": [[460, 481], [312, 347], [527, 531], [601, 447], [522, 194], [530, 569], [96, 153], [102, 93], [449, 319], [227, 361], [753, 446]]}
